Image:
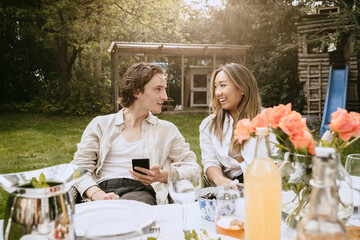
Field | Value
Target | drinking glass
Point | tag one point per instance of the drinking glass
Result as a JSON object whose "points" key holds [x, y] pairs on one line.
{"points": [[352, 165], [229, 212], [184, 181]]}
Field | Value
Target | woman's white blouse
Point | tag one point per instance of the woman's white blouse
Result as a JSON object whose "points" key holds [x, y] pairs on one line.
{"points": [[215, 154]]}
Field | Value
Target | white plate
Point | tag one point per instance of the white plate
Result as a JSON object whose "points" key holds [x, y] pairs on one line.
{"points": [[125, 215], [353, 222]]}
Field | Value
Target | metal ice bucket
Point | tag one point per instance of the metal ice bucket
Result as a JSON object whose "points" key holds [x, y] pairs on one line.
{"points": [[40, 213]]}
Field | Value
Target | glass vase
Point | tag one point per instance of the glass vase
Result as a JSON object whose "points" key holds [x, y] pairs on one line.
{"points": [[296, 174], [344, 183]]}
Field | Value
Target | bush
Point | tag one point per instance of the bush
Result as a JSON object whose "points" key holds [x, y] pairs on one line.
{"points": [[276, 73], [84, 95]]}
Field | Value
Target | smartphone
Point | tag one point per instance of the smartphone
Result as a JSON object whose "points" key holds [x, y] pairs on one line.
{"points": [[140, 162]]}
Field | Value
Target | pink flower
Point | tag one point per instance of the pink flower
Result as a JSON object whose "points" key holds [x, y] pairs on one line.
{"points": [[242, 131], [275, 114], [344, 124], [301, 138], [258, 121], [356, 121], [311, 148], [292, 121]]}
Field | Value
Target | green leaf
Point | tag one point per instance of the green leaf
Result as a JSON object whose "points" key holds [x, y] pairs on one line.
{"points": [[35, 183], [76, 174], [187, 235], [42, 178], [41, 183]]}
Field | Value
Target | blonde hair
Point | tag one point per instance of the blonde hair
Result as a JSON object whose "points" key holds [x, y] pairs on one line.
{"points": [[249, 106]]}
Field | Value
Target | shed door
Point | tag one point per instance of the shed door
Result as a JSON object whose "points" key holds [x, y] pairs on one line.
{"points": [[199, 90]]}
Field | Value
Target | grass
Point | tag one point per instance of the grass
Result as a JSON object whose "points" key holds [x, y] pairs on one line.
{"points": [[32, 141]]}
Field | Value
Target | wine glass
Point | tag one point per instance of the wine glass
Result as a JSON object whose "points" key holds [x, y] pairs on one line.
{"points": [[184, 181], [352, 165]]}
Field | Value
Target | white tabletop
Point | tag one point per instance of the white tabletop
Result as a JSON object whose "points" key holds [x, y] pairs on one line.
{"points": [[169, 218]]}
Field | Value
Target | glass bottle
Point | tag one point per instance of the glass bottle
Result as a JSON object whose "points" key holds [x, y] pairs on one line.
{"points": [[262, 190], [322, 221]]}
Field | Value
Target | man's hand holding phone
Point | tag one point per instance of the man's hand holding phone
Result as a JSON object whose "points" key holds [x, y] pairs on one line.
{"points": [[140, 162], [146, 176]]}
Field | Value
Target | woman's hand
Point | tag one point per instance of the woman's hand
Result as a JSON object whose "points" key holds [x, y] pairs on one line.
{"points": [[222, 181], [154, 174]]}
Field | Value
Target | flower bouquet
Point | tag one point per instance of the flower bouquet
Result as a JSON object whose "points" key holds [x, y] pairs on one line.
{"points": [[344, 130], [296, 143]]}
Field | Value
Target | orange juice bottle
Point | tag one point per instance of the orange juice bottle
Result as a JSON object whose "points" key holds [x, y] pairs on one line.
{"points": [[262, 190]]}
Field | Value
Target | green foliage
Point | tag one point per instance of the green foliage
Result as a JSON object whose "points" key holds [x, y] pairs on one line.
{"points": [[278, 82], [55, 53], [46, 46], [85, 95], [41, 183], [270, 29]]}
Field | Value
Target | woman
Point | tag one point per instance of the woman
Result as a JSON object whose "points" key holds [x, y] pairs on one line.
{"points": [[109, 143], [234, 96]]}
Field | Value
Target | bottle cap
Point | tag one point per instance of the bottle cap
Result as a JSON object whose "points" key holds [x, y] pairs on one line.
{"points": [[324, 152]]}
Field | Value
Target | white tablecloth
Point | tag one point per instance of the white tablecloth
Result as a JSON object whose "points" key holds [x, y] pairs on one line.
{"points": [[169, 218]]}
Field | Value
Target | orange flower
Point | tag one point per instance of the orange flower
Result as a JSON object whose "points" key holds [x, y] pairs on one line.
{"points": [[301, 138], [311, 148], [344, 124], [242, 131], [275, 114], [258, 121], [356, 121], [292, 121]]}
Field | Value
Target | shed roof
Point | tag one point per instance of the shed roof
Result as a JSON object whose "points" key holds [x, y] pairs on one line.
{"points": [[177, 49]]}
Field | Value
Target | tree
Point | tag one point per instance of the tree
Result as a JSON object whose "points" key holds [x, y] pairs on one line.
{"points": [[49, 45], [269, 26]]}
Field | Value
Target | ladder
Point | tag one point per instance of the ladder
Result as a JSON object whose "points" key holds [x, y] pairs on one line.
{"points": [[313, 90]]}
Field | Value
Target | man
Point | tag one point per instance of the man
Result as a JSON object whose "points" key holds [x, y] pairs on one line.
{"points": [[110, 142]]}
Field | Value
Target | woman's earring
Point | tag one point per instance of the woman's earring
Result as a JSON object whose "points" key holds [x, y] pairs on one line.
{"points": [[242, 94]]}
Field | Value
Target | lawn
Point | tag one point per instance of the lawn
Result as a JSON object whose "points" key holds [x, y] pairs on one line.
{"points": [[32, 141]]}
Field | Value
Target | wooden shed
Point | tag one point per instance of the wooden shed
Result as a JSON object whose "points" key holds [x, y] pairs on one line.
{"points": [[321, 46], [150, 51]]}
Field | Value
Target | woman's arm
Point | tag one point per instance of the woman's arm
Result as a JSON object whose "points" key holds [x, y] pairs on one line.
{"points": [[209, 157], [216, 175]]}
